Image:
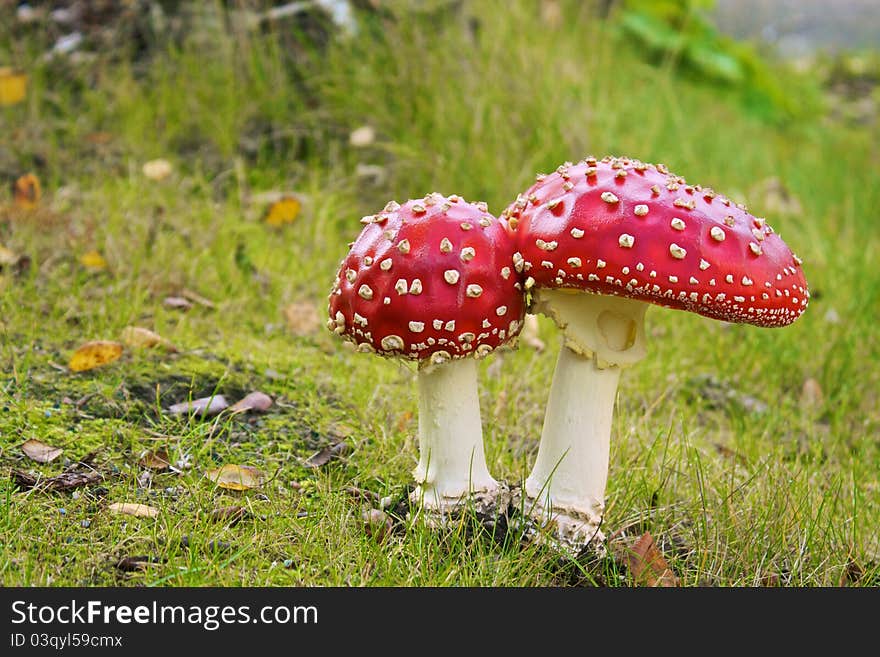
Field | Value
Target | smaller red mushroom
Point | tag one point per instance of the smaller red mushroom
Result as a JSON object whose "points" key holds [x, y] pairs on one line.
{"points": [[598, 242], [432, 281]]}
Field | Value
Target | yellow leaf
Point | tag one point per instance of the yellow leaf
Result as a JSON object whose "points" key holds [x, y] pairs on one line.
{"points": [[93, 260], [94, 354], [134, 509], [26, 191], [283, 211], [13, 86], [135, 336], [236, 477], [40, 451]]}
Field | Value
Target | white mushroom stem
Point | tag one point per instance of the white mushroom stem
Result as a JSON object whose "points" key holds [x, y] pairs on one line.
{"points": [[566, 488], [452, 464]]}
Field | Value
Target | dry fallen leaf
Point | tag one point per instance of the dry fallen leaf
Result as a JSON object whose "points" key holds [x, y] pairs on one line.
{"points": [[283, 211], [529, 334], [93, 261], [13, 86], [255, 401], [236, 477], [135, 336], [325, 455], [155, 460], [177, 303], [40, 451], [134, 509], [647, 565], [206, 406], [94, 354], [63, 482], [363, 136], [157, 169], [302, 318], [26, 192]]}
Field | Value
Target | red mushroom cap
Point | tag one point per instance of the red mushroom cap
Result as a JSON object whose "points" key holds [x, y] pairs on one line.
{"points": [[432, 279], [620, 226]]}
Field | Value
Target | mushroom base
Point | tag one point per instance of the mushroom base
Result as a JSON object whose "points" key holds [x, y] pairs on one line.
{"points": [[485, 506], [571, 531]]}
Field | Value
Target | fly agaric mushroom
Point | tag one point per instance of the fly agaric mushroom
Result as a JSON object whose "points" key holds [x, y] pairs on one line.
{"points": [[432, 281], [597, 243]]}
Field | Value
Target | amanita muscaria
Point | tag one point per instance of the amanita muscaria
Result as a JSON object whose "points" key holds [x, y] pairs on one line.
{"points": [[597, 242], [432, 281]]}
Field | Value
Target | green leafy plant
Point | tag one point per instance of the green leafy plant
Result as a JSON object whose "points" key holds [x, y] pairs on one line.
{"points": [[680, 33]]}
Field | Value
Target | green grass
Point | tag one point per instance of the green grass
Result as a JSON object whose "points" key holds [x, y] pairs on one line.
{"points": [[735, 494]]}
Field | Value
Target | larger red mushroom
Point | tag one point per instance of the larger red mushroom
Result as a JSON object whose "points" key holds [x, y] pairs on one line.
{"points": [[432, 282], [598, 242]]}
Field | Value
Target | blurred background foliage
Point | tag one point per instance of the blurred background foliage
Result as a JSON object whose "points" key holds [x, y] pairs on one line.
{"points": [[264, 43], [682, 33]]}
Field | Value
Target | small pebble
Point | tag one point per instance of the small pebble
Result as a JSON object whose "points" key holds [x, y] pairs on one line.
{"points": [[287, 563], [62, 511], [85, 524]]}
